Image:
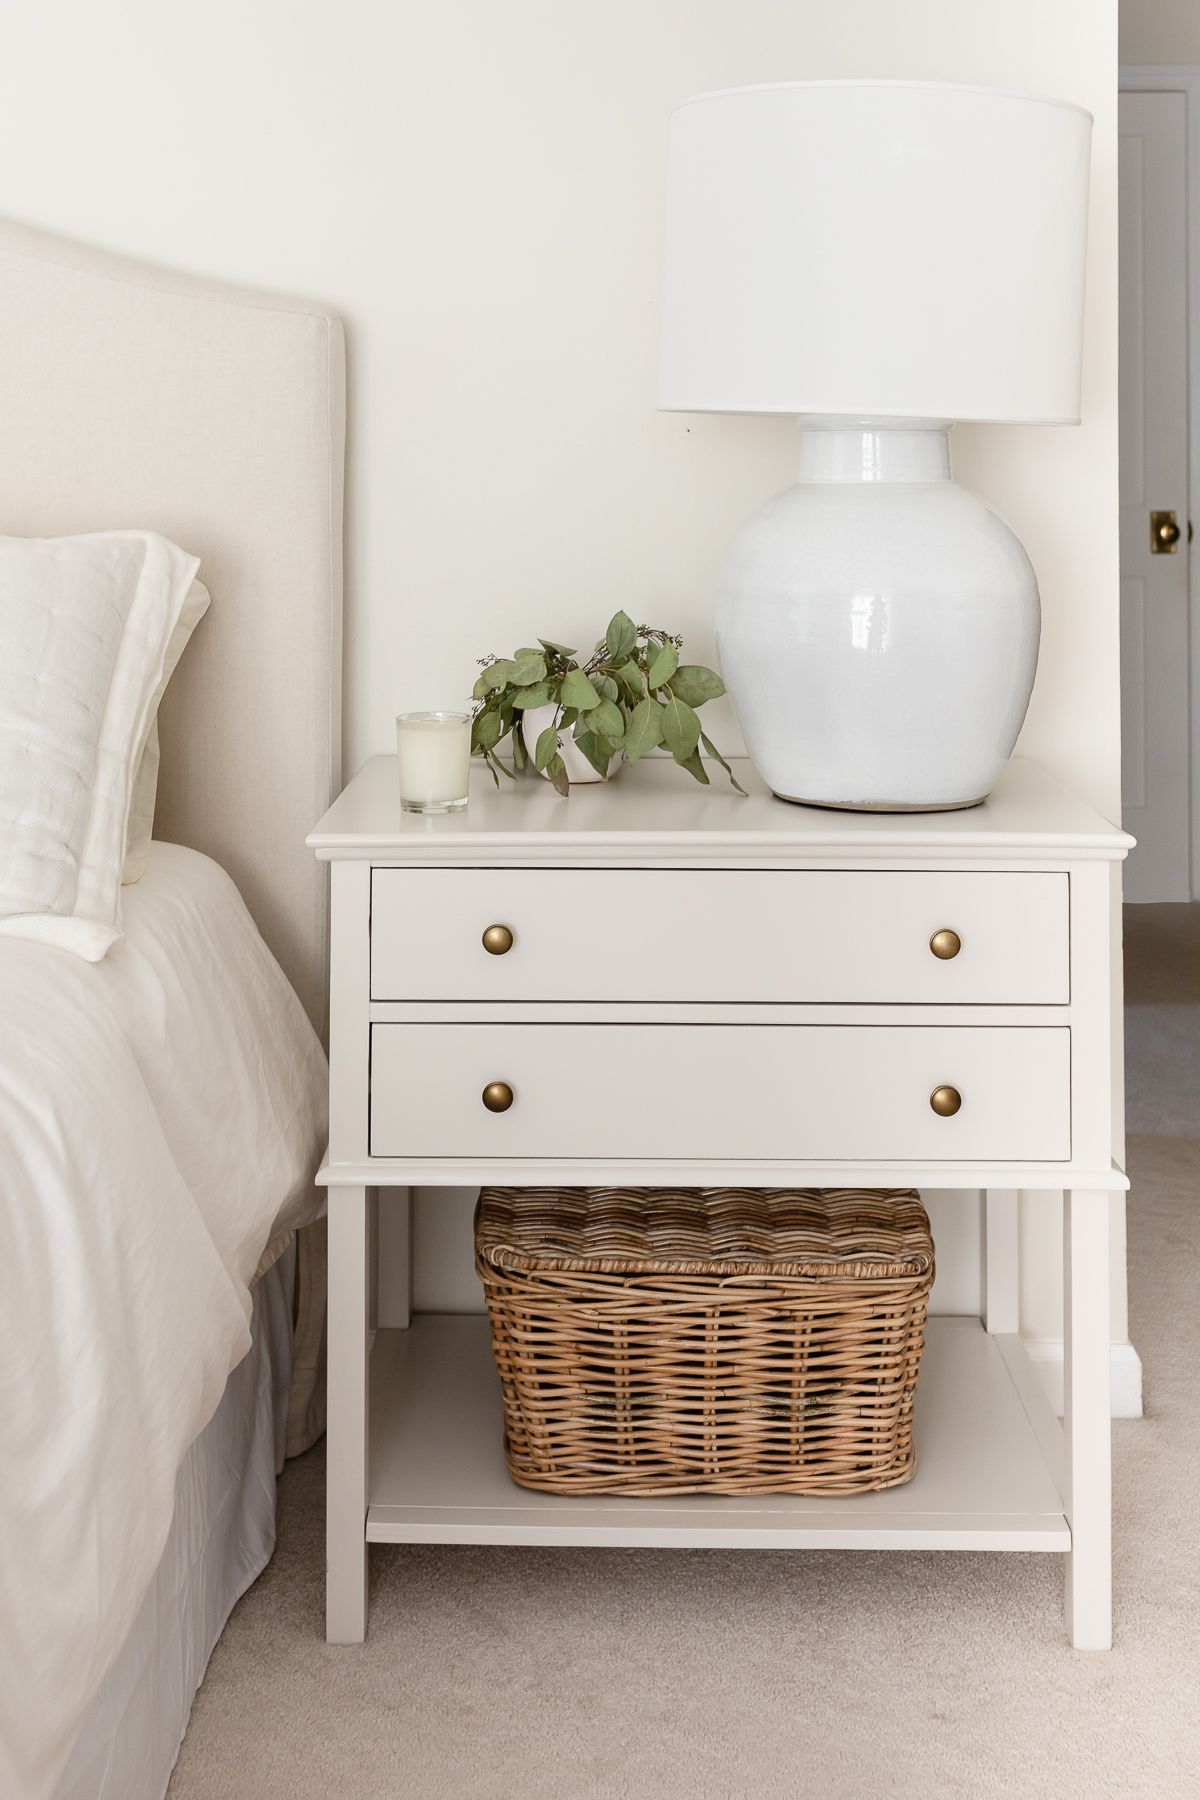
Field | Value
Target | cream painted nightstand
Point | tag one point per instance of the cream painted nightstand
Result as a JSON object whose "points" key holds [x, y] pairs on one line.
{"points": [[822, 998]]}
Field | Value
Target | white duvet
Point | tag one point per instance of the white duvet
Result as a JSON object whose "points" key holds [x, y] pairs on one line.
{"points": [[161, 1116]]}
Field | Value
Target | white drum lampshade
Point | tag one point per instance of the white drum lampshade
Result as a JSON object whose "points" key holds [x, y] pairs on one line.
{"points": [[879, 259]]}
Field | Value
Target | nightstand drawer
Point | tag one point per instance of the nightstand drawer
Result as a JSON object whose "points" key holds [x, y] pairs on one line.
{"points": [[733, 1092], [708, 935]]}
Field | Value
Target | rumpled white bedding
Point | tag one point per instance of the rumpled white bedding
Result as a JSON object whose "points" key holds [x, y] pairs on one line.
{"points": [[161, 1116]]}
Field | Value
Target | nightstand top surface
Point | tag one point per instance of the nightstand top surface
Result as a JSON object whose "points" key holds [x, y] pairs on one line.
{"points": [[654, 812]]}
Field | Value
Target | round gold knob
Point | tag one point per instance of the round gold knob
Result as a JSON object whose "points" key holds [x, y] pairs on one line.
{"points": [[497, 1096], [945, 1101], [945, 943], [1168, 532], [497, 939]]}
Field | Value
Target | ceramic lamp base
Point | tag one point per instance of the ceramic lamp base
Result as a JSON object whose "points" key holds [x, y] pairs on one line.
{"points": [[880, 806], [878, 627]]}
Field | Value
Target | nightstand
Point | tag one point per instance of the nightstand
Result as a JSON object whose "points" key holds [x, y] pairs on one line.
{"points": [[821, 998]]}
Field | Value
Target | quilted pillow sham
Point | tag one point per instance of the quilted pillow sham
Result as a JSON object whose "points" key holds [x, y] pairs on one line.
{"points": [[85, 626]]}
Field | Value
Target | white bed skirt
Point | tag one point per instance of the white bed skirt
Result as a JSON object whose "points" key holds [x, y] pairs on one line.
{"points": [[222, 1535]]}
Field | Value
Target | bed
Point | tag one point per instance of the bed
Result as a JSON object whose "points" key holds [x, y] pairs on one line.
{"points": [[162, 1110]]}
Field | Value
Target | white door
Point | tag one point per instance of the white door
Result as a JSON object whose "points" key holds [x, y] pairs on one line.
{"points": [[1155, 735]]}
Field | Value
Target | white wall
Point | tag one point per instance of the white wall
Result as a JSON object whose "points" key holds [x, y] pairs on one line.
{"points": [[477, 186]]}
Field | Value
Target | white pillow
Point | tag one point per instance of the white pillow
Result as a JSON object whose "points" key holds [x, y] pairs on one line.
{"points": [[85, 624], [145, 781], [140, 832]]}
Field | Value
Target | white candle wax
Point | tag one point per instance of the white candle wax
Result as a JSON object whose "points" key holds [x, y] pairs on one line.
{"points": [[433, 752]]}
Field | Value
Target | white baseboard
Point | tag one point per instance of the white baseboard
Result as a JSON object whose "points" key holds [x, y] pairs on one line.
{"points": [[1046, 1355]]}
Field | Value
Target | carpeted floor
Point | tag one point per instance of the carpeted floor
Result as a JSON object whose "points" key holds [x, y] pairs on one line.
{"points": [[647, 1675]]}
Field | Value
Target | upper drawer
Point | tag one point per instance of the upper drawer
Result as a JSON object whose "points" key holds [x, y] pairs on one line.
{"points": [[714, 935]]}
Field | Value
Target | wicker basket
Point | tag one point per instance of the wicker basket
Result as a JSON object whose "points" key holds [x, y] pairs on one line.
{"points": [[715, 1340]]}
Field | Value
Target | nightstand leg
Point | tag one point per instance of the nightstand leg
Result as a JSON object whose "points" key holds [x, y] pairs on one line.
{"points": [[1002, 1280], [1087, 1418], [346, 1436]]}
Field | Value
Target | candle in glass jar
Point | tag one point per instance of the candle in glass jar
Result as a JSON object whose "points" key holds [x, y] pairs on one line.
{"points": [[433, 752]]}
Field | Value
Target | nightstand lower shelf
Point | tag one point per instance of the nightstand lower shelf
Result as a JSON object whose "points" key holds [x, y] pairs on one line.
{"points": [[988, 1474]]}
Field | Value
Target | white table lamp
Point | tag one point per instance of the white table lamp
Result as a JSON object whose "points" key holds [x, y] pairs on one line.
{"points": [[880, 259]]}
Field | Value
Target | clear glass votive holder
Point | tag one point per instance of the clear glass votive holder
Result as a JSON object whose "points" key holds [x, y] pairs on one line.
{"points": [[433, 754]]}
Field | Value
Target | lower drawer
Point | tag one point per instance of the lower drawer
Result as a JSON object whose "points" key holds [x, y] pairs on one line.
{"points": [[735, 1092]]}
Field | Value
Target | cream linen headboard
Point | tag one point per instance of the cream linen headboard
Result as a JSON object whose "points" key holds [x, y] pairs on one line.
{"points": [[130, 396]]}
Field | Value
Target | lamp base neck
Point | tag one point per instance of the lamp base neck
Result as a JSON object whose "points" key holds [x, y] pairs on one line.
{"points": [[857, 450]]}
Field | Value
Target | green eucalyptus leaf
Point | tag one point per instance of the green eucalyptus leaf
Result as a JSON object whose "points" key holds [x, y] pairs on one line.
{"points": [[495, 762], [680, 727], [695, 684], [556, 769], [598, 753], [486, 730], [491, 767], [520, 753], [555, 649], [717, 757], [630, 677], [694, 766], [567, 717], [547, 746], [529, 666], [577, 691], [620, 637], [529, 697], [607, 720], [643, 730], [494, 676], [662, 666], [605, 686]]}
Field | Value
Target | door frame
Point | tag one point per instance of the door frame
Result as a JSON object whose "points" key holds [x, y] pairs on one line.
{"points": [[1184, 78]]}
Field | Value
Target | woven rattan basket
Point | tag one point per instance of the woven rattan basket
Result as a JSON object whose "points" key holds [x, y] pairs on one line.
{"points": [[714, 1340]]}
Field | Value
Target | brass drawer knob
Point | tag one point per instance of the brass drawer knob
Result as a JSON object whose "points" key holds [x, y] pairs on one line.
{"points": [[945, 944], [497, 940], [945, 1101], [497, 1096]]}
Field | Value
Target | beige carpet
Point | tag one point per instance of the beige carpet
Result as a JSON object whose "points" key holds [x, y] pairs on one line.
{"points": [[650, 1675]]}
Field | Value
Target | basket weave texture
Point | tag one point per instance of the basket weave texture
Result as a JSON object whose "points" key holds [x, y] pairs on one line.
{"points": [[710, 1340]]}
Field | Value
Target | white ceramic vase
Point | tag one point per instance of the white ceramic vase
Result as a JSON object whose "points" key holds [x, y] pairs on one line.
{"points": [[878, 626], [578, 768]]}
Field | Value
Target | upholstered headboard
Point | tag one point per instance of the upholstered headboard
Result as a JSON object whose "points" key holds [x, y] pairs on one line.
{"points": [[133, 397]]}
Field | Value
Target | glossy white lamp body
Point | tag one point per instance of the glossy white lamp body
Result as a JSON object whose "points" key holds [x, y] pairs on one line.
{"points": [[879, 259], [878, 626]]}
